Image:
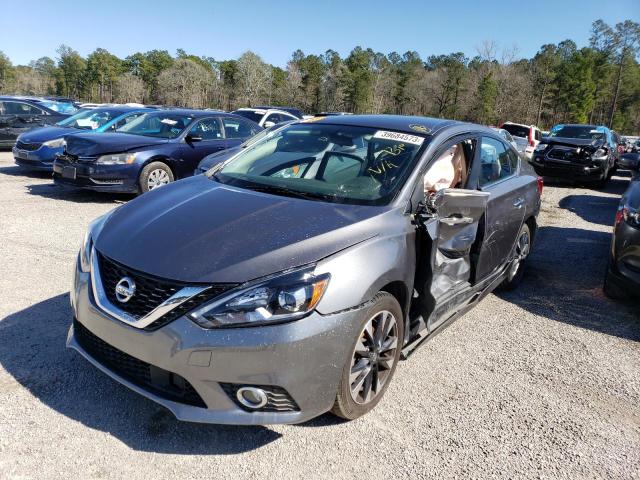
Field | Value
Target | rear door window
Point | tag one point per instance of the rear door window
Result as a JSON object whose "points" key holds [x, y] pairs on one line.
{"points": [[208, 129], [238, 128]]}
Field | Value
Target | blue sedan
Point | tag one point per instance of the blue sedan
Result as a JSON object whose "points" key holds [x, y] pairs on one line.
{"points": [[37, 149], [154, 149]]}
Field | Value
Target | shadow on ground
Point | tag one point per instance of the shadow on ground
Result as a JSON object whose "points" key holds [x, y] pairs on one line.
{"points": [[592, 208], [563, 282], [616, 185], [32, 350]]}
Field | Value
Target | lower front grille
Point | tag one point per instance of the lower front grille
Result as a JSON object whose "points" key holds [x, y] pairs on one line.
{"points": [[162, 383]]}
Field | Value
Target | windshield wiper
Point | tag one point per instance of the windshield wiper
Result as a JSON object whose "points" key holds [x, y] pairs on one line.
{"points": [[288, 192]]}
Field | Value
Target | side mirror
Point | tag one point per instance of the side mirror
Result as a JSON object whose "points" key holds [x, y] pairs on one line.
{"points": [[190, 138], [269, 124], [630, 161]]}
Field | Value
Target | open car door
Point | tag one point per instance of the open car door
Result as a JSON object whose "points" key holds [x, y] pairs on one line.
{"points": [[452, 232]]}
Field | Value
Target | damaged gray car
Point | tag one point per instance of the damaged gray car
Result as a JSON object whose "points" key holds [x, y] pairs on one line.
{"points": [[290, 280]]}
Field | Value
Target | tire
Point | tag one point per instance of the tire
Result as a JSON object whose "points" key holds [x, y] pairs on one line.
{"points": [[351, 405], [611, 288], [154, 175], [517, 266]]}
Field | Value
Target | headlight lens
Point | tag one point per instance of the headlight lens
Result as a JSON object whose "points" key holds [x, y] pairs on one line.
{"points": [[280, 299], [117, 159], [87, 243], [56, 143], [541, 147], [599, 153]]}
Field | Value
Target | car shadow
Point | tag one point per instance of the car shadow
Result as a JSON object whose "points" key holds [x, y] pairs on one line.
{"points": [[79, 195], [18, 171], [32, 350], [616, 185], [563, 282], [592, 208]]}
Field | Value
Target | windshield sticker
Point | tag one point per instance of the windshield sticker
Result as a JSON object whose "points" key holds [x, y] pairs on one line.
{"points": [[399, 137], [419, 128], [85, 122], [168, 121]]}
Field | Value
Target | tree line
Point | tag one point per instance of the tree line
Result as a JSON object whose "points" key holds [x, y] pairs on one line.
{"points": [[598, 83]]}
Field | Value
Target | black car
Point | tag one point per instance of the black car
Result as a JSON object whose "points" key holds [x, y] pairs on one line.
{"points": [[622, 279], [581, 153], [18, 115], [156, 148]]}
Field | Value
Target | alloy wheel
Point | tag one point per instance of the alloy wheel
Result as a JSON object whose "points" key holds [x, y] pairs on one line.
{"points": [[523, 248], [157, 178], [373, 357]]}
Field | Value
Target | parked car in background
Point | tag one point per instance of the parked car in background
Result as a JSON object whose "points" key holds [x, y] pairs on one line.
{"points": [[583, 153], [507, 136], [622, 278], [266, 117], [19, 114], [619, 142], [38, 148], [526, 136], [218, 157], [289, 281], [296, 112], [152, 150], [330, 114], [636, 147]]}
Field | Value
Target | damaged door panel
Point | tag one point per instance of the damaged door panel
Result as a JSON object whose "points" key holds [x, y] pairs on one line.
{"points": [[451, 233]]}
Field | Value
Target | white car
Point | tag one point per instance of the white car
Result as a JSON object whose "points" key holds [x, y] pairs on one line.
{"points": [[526, 136], [266, 117], [507, 136]]}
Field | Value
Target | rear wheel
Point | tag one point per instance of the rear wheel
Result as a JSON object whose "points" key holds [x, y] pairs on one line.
{"points": [[154, 175], [522, 250], [373, 358]]}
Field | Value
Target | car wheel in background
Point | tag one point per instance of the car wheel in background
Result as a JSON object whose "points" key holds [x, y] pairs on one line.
{"points": [[521, 254], [373, 358], [154, 175]]}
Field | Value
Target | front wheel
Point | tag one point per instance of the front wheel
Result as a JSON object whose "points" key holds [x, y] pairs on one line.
{"points": [[373, 358], [522, 250], [154, 175]]}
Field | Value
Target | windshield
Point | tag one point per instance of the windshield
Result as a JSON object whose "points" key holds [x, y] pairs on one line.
{"points": [[60, 107], [157, 124], [517, 130], [335, 163], [250, 114], [90, 119], [584, 132]]}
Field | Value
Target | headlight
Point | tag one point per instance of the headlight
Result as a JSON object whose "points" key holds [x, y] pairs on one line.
{"points": [[281, 299], [599, 153], [87, 243], [117, 159], [55, 143], [541, 147]]}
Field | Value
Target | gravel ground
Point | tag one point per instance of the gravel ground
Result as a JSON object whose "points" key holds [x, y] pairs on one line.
{"points": [[540, 382]]}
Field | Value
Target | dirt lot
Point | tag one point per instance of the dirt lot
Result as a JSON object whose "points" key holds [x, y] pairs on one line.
{"points": [[543, 381]]}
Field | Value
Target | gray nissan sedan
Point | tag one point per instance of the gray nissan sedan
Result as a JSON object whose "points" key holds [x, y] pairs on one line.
{"points": [[289, 280]]}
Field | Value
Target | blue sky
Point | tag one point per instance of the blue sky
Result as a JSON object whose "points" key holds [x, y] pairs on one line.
{"points": [[275, 28]]}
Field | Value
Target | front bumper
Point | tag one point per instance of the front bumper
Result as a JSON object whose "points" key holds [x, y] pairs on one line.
{"points": [[568, 171], [305, 358], [90, 176], [41, 159]]}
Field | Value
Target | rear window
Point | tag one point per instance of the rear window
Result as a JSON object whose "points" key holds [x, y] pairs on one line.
{"points": [[251, 115], [517, 130]]}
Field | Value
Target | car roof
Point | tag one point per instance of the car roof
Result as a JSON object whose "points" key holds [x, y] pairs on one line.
{"points": [[401, 123]]}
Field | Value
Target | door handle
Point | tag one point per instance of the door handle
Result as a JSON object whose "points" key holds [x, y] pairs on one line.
{"points": [[519, 203], [451, 221]]}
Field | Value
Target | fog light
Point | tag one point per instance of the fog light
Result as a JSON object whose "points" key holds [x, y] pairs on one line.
{"points": [[252, 397]]}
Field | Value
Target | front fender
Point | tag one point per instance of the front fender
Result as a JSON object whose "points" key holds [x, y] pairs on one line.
{"points": [[359, 272]]}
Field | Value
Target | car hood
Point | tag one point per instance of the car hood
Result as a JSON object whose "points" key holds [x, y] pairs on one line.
{"points": [[44, 134], [218, 157], [198, 230], [87, 144], [573, 142]]}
